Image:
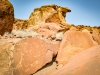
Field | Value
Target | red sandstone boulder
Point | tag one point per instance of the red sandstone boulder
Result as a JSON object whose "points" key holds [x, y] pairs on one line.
{"points": [[48, 29], [84, 63], [6, 16], [72, 43], [31, 54]]}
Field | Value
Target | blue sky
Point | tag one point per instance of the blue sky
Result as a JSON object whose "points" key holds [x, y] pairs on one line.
{"points": [[85, 12]]}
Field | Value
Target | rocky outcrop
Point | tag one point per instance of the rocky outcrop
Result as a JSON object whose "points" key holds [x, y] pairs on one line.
{"points": [[47, 14], [94, 31], [72, 43], [31, 54], [3, 0], [82, 27], [6, 16], [84, 63], [96, 34], [20, 24], [45, 41]]}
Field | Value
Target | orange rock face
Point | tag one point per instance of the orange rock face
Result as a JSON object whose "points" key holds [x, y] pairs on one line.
{"points": [[96, 35], [72, 43], [48, 14], [84, 63], [31, 54], [20, 24], [6, 17]]}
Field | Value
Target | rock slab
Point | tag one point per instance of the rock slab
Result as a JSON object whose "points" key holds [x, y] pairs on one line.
{"points": [[72, 43], [31, 54], [84, 63]]}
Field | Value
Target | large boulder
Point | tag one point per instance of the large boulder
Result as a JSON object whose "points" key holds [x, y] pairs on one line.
{"points": [[84, 63], [6, 16], [31, 54], [72, 43], [47, 14], [6, 55]]}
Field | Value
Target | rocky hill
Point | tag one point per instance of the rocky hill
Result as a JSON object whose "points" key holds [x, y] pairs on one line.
{"points": [[45, 44]]}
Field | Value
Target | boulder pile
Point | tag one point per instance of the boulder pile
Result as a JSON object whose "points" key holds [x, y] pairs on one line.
{"points": [[45, 44]]}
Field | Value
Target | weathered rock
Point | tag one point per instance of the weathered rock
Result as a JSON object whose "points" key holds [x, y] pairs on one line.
{"points": [[6, 55], [72, 43], [84, 63], [96, 35], [47, 14], [31, 54], [3, 0], [6, 16], [82, 27], [49, 29], [20, 24]]}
